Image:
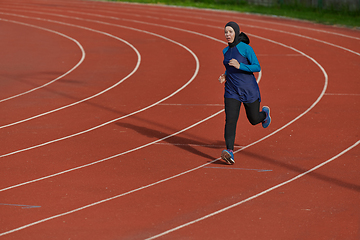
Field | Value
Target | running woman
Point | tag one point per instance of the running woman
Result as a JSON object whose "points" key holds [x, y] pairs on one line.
{"points": [[240, 63]]}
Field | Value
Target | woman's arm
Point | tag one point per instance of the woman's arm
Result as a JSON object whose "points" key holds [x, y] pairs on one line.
{"points": [[249, 53]]}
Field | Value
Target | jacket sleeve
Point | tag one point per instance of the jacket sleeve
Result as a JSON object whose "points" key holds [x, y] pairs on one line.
{"points": [[254, 65]]}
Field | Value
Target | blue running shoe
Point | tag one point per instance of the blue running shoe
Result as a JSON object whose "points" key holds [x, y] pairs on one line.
{"points": [[228, 156], [267, 120]]}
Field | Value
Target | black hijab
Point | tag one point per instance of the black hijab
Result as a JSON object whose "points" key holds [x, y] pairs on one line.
{"points": [[239, 37]]}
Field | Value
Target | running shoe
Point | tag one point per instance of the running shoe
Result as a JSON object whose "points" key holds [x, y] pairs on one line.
{"points": [[267, 120], [228, 156]]}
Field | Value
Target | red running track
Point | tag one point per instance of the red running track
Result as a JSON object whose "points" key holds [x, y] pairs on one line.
{"points": [[112, 126]]}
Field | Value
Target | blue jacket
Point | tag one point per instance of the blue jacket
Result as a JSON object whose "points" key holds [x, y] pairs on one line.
{"points": [[241, 83]]}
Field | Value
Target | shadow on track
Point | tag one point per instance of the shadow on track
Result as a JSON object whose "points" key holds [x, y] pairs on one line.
{"points": [[181, 142]]}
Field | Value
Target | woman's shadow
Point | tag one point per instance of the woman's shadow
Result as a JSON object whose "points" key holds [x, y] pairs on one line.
{"points": [[180, 142]]}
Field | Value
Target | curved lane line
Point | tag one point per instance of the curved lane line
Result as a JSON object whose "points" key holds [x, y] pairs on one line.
{"points": [[52, 81], [299, 115], [120, 154], [303, 36], [265, 28], [88, 98], [116, 119], [210, 14], [270, 189], [324, 89], [196, 33], [257, 195], [182, 173], [220, 12]]}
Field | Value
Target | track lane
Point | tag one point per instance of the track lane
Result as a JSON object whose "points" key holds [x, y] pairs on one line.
{"points": [[12, 54], [151, 82], [285, 138], [141, 99], [64, 89]]}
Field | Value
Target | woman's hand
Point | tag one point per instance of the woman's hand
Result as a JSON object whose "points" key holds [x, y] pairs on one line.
{"points": [[234, 63], [222, 78]]}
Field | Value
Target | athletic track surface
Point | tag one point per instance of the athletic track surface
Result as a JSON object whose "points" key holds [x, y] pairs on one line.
{"points": [[112, 126]]}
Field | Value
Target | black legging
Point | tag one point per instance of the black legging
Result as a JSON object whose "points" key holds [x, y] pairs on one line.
{"points": [[232, 110]]}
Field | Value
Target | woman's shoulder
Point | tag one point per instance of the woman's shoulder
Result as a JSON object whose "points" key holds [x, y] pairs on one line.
{"points": [[243, 47]]}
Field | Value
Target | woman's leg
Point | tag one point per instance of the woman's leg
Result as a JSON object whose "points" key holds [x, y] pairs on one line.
{"points": [[253, 114], [232, 110]]}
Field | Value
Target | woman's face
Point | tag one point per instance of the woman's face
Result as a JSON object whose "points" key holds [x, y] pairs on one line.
{"points": [[229, 34]]}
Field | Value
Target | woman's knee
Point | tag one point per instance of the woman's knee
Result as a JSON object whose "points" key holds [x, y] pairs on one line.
{"points": [[253, 121]]}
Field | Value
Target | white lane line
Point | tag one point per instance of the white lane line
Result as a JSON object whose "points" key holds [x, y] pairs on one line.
{"points": [[123, 194], [306, 28], [196, 33], [117, 155], [129, 20], [211, 14], [212, 19], [236, 15], [307, 37], [54, 80], [274, 30], [120, 154], [325, 86], [174, 176], [88, 98], [111, 24], [256, 195], [306, 111], [135, 69], [342, 94], [299, 52]]}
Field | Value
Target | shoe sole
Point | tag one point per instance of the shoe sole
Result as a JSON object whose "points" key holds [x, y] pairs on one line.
{"points": [[227, 158]]}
